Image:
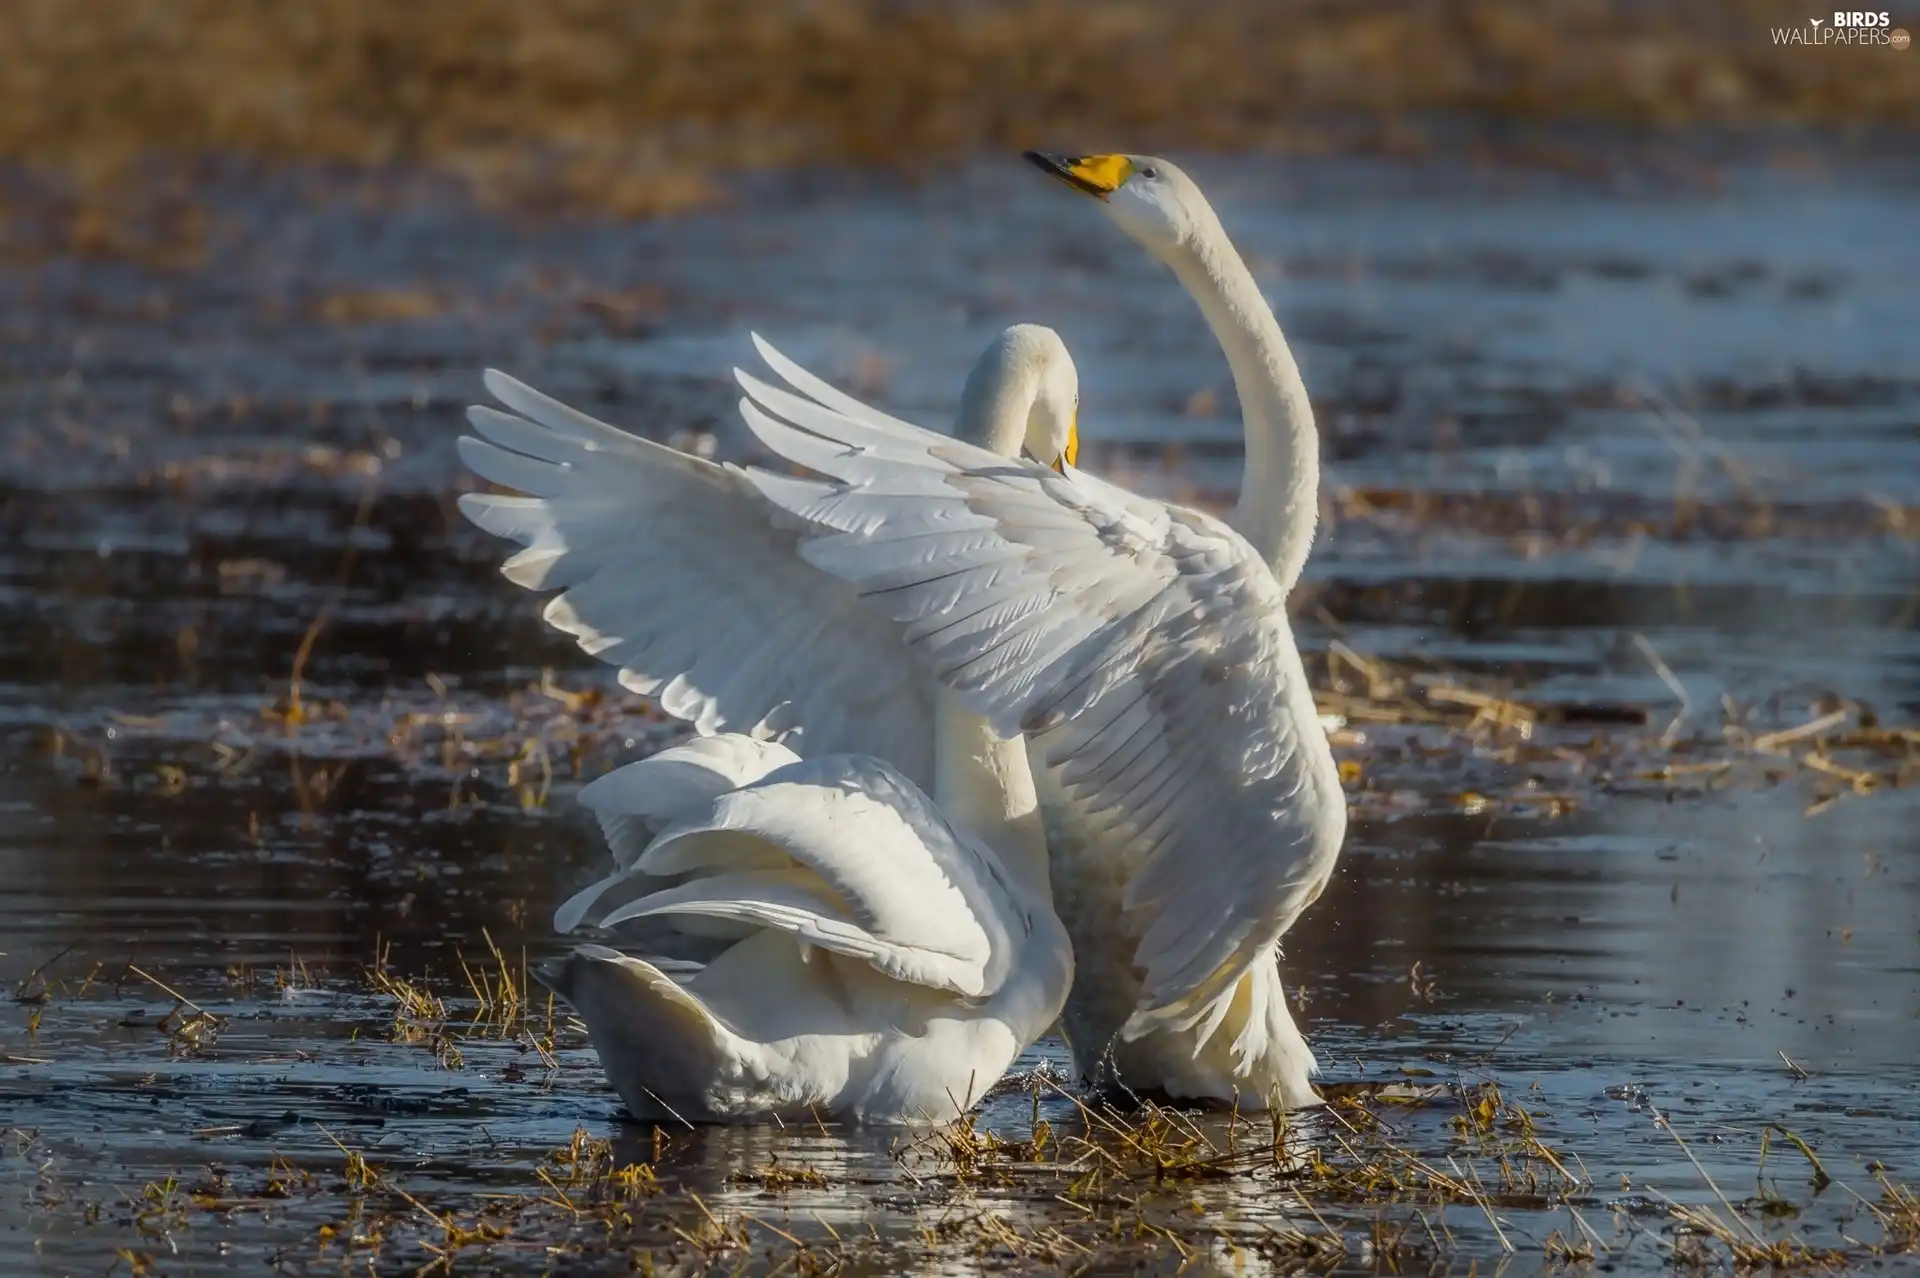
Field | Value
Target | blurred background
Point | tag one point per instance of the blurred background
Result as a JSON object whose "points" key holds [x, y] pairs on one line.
{"points": [[591, 106], [1608, 310]]}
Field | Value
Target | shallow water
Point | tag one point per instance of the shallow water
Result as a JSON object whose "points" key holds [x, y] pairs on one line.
{"points": [[1559, 414]]}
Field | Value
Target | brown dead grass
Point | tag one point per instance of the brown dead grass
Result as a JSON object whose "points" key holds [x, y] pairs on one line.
{"points": [[630, 107]]}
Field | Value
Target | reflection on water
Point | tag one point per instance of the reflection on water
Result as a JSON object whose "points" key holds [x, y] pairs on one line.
{"points": [[181, 491]]}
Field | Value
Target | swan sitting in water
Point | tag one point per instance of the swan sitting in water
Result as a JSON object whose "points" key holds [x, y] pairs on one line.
{"points": [[1193, 807], [890, 965], [892, 954]]}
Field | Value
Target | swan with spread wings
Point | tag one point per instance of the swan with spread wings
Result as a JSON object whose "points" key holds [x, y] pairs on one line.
{"points": [[1193, 805], [889, 954]]}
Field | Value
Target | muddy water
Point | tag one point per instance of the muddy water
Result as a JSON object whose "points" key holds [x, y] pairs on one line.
{"points": [[1558, 415]]}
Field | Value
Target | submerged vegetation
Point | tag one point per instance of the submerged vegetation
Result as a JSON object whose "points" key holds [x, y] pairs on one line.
{"points": [[264, 697], [1392, 1176], [1408, 735], [1436, 1165]]}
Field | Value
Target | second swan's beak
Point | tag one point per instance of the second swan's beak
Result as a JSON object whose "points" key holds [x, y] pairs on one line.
{"points": [[1095, 175], [1071, 457]]}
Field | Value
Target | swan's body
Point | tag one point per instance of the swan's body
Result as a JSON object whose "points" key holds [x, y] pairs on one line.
{"points": [[1193, 807], [892, 956], [890, 965]]}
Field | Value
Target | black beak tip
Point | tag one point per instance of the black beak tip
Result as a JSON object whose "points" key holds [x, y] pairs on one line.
{"points": [[1061, 167]]}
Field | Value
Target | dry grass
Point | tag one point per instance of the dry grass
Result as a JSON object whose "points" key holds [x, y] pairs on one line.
{"points": [[1402, 726], [502, 1006], [632, 108], [1125, 1171], [1370, 1182], [1411, 735]]}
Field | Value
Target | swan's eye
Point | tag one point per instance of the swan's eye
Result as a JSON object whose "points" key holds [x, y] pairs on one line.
{"points": [[1149, 172]]}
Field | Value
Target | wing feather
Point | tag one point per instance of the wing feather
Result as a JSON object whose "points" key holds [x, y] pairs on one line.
{"points": [[1145, 650], [815, 389], [635, 803], [679, 572], [844, 852]]}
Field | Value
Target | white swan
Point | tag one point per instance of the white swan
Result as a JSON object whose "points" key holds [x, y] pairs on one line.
{"points": [[1162, 209], [1193, 805], [889, 966]]}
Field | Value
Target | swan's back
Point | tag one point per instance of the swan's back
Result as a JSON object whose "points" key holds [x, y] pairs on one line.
{"points": [[883, 967]]}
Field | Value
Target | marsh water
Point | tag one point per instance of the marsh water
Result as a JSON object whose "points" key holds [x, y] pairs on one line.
{"points": [[1647, 441]]}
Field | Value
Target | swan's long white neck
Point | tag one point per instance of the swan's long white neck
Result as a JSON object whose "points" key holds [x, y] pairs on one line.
{"points": [[1280, 488], [999, 396], [984, 784], [982, 781]]}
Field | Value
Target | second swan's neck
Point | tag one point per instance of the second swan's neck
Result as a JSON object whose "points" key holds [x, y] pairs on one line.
{"points": [[985, 785], [1280, 488]]}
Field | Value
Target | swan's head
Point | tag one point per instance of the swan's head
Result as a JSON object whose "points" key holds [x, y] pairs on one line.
{"points": [[1023, 398], [1151, 199]]}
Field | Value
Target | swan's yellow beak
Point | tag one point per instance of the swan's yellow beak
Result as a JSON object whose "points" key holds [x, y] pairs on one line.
{"points": [[1071, 457], [1096, 175]]}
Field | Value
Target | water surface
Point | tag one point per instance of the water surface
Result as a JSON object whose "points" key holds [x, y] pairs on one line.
{"points": [[1567, 423]]}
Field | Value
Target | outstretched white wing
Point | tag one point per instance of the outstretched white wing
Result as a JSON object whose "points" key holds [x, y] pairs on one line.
{"points": [[845, 853], [677, 571], [1144, 648]]}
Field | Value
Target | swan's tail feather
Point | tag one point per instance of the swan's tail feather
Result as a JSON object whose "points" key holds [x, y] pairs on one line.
{"points": [[636, 802], [1269, 1046], [1242, 1039], [1201, 1011], [658, 1043]]}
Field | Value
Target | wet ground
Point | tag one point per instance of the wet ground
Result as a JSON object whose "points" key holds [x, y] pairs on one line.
{"points": [[1636, 461]]}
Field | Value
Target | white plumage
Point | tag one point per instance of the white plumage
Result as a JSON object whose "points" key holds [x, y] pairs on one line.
{"points": [[889, 967], [674, 570], [1145, 652], [889, 958], [1193, 805]]}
